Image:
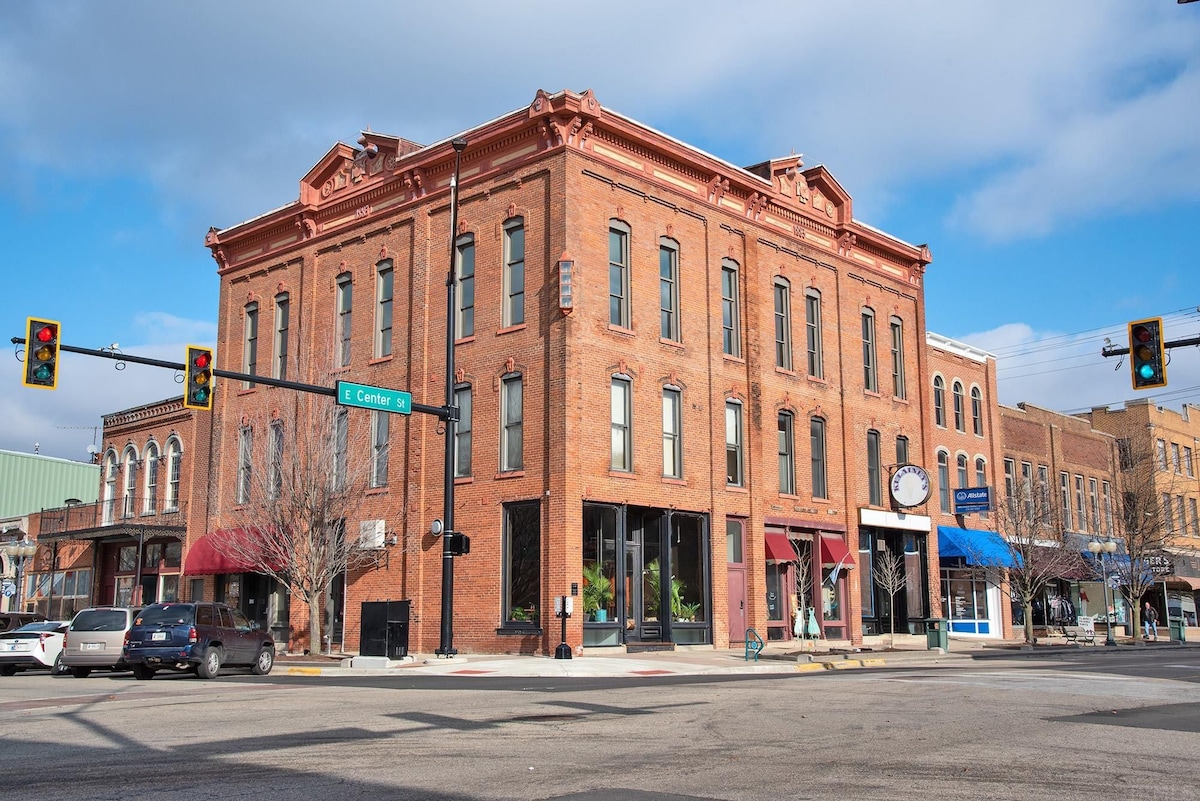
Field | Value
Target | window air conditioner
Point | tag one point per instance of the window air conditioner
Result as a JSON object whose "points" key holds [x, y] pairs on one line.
{"points": [[371, 534]]}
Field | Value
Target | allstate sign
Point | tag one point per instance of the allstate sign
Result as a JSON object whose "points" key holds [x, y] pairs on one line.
{"points": [[972, 499]]}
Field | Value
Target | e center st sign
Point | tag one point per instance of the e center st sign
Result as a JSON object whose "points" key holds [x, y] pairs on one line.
{"points": [[364, 396]]}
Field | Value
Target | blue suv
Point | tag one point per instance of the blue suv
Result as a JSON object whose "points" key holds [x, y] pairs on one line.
{"points": [[197, 637]]}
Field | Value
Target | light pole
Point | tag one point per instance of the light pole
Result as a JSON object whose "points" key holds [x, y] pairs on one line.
{"points": [[20, 550], [1101, 549]]}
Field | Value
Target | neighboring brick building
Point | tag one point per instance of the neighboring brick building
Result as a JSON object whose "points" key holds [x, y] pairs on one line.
{"points": [[1172, 440], [666, 364]]}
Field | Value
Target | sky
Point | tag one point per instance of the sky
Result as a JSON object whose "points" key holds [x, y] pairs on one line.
{"points": [[1048, 154]]}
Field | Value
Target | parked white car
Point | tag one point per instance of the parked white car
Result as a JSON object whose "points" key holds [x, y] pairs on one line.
{"points": [[32, 646]]}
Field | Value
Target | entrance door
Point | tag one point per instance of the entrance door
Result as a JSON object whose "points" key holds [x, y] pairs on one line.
{"points": [[737, 604], [643, 590]]}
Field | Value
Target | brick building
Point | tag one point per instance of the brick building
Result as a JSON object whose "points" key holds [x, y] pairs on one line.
{"points": [[631, 313]]}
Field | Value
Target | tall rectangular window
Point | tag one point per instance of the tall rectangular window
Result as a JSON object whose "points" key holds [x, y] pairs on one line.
{"points": [[976, 411], [341, 443], [787, 454], [383, 309], [668, 290], [870, 374], [1010, 485], [820, 487], [1027, 489], [514, 272], [512, 435], [812, 327], [901, 450], [462, 432], [1044, 491], [981, 480], [1106, 491], [1161, 448], [1195, 517], [245, 463], [174, 465], [1175, 456], [345, 309], [1064, 487], [672, 420], [464, 270], [380, 423], [250, 344], [943, 470], [1187, 460], [733, 444], [621, 423], [783, 324], [1094, 503], [1168, 518], [962, 465], [279, 360], [731, 339], [1182, 515], [874, 471], [618, 276], [275, 461], [150, 502], [898, 388], [1080, 505], [522, 568]]}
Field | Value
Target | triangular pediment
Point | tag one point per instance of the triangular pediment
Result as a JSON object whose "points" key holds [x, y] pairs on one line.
{"points": [[343, 166], [325, 173], [827, 196]]}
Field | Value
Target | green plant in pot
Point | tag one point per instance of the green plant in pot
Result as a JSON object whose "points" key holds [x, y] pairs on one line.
{"points": [[597, 592]]}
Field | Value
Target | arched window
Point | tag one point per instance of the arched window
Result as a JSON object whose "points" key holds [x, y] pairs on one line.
{"points": [[977, 411], [943, 468], [963, 477], [150, 493], [174, 460], [130, 493], [110, 487], [939, 401], [959, 423]]}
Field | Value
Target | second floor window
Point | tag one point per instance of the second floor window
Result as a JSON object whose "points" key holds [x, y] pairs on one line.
{"points": [[380, 423], [812, 326], [618, 276], [250, 344], [820, 487], [345, 309], [874, 475], [977, 411], [464, 270], [131, 469], [672, 417], [245, 463], [870, 371], [514, 272], [959, 420], [734, 476], [1064, 487], [783, 325], [150, 504], [174, 465], [787, 454], [622, 424], [897, 328], [275, 461], [512, 432], [282, 322], [462, 432], [901, 450], [939, 401], [943, 468], [731, 338], [384, 288], [963, 473], [668, 290]]}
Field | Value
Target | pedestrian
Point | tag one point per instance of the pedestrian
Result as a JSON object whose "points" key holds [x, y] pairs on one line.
{"points": [[1150, 621]]}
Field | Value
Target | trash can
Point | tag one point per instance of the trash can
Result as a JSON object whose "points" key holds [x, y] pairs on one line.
{"points": [[1178, 631], [936, 629]]}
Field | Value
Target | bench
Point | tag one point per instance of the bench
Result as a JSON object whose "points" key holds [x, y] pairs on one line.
{"points": [[1079, 634]]}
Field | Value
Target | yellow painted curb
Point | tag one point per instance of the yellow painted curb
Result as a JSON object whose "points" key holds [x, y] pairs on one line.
{"points": [[846, 663], [809, 667], [299, 671], [873, 663]]}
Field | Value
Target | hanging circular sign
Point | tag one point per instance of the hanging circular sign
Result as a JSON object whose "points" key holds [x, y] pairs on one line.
{"points": [[910, 485]]}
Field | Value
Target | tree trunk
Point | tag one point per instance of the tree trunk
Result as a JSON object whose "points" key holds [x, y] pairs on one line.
{"points": [[1029, 621], [313, 601]]}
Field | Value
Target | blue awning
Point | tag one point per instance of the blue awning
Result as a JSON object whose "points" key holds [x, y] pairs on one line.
{"points": [[975, 546]]}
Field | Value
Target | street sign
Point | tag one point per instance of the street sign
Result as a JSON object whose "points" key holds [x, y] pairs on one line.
{"points": [[379, 399], [968, 500], [8, 588]]}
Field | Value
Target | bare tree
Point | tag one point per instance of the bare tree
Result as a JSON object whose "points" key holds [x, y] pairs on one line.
{"points": [[804, 588], [300, 495], [889, 575]]}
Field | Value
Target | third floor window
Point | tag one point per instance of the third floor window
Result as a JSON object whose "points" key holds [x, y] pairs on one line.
{"points": [[618, 275], [668, 290], [514, 272], [464, 268]]}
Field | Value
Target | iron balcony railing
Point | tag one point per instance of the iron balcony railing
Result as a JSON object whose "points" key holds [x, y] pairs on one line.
{"points": [[123, 511]]}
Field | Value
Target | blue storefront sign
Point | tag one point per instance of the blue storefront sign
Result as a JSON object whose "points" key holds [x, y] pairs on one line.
{"points": [[969, 500]]}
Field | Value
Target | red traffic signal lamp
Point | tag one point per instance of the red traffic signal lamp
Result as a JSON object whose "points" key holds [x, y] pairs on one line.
{"points": [[198, 393], [41, 353], [1147, 362]]}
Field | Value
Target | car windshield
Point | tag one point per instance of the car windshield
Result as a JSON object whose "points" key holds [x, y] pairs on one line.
{"points": [[166, 615], [45, 625], [99, 620]]}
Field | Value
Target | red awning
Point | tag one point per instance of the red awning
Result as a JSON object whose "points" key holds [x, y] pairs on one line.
{"points": [[204, 558], [834, 551], [778, 547]]}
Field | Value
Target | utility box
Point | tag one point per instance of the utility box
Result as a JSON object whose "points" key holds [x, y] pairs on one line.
{"points": [[384, 629], [936, 633], [1178, 630]]}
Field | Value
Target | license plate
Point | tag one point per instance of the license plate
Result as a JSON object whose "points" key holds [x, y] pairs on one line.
{"points": [[93, 646], [158, 635]]}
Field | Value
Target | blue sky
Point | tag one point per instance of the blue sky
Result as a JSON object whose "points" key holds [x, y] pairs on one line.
{"points": [[1046, 152]]}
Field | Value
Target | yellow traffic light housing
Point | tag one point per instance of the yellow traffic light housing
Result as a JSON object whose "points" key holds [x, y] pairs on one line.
{"points": [[41, 353], [1147, 362], [198, 393]]}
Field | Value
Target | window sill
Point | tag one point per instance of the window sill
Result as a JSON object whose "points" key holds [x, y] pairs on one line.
{"points": [[464, 480], [675, 482], [512, 329], [739, 490], [381, 359], [671, 343], [246, 390], [729, 357], [511, 474], [464, 340], [898, 399], [785, 371], [381, 490], [519, 630], [871, 393], [816, 379], [629, 474], [616, 329]]}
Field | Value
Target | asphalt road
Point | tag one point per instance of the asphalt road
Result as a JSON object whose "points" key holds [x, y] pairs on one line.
{"points": [[1088, 726]]}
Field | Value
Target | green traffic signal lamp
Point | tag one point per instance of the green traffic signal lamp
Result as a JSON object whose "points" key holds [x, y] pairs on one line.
{"points": [[198, 393], [41, 353], [1147, 358]]}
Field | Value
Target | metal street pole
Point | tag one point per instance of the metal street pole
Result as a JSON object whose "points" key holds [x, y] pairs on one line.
{"points": [[446, 647]]}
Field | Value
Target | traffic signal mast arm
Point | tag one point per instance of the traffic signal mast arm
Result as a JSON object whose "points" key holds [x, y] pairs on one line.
{"points": [[1110, 350], [445, 413]]}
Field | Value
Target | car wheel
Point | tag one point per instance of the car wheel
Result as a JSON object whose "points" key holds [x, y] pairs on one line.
{"points": [[81, 673], [211, 666], [59, 668], [265, 661], [143, 673], [8, 670]]}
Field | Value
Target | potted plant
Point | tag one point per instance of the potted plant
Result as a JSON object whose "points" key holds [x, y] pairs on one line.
{"points": [[597, 592]]}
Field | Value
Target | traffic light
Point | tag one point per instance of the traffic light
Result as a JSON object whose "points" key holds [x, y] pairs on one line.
{"points": [[41, 353], [1146, 361], [199, 391], [459, 544]]}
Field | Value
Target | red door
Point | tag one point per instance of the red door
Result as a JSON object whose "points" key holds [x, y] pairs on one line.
{"points": [[737, 603]]}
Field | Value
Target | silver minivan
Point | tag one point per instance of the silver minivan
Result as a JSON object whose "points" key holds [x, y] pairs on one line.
{"points": [[95, 640]]}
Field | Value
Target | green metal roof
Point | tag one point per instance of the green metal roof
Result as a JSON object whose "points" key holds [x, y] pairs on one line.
{"points": [[30, 483]]}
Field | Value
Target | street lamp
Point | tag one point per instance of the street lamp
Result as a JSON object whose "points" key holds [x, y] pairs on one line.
{"points": [[20, 550], [1100, 549]]}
